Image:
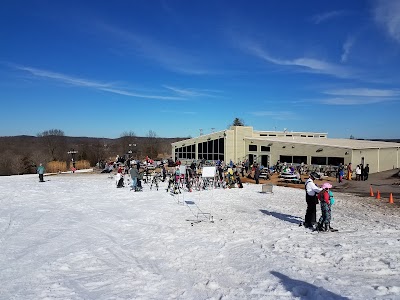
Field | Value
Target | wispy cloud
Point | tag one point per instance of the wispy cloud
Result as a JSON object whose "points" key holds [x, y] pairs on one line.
{"points": [[170, 57], [190, 92], [353, 100], [319, 18], [303, 63], [359, 96], [387, 15], [136, 95], [363, 92], [346, 49], [276, 115], [64, 78], [81, 82]]}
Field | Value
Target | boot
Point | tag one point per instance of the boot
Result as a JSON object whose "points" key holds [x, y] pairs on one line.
{"points": [[330, 228], [318, 227]]}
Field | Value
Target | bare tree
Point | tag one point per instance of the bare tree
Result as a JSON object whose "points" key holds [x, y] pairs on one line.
{"points": [[17, 164], [152, 144], [55, 142], [6, 163], [151, 134], [98, 152], [130, 133], [38, 156], [127, 140]]}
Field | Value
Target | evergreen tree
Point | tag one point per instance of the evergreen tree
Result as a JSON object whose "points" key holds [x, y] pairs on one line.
{"points": [[238, 122]]}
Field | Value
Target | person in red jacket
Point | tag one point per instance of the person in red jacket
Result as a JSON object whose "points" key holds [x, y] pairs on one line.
{"points": [[324, 222]]}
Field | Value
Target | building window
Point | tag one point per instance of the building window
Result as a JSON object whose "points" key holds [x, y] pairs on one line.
{"points": [[299, 159], [335, 161], [316, 160], [265, 149], [211, 150], [252, 147], [285, 158], [185, 152]]}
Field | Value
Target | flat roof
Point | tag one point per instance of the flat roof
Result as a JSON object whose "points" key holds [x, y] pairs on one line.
{"points": [[339, 143]]}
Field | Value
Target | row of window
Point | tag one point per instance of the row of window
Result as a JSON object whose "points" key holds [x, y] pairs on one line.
{"points": [[253, 148], [214, 150], [290, 135], [315, 160], [209, 150]]}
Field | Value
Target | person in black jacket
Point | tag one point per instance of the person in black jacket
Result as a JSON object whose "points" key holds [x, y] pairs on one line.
{"points": [[366, 172], [311, 198], [257, 172]]}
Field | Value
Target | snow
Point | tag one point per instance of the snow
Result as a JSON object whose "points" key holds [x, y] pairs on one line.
{"points": [[76, 236]]}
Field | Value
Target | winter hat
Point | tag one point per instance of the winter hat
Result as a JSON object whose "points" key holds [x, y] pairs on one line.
{"points": [[326, 185]]}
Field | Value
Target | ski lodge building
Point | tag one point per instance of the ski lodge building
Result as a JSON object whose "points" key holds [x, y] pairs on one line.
{"points": [[267, 147]]}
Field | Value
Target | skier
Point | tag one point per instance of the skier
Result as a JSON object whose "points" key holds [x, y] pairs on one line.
{"points": [[163, 172], [326, 199], [134, 171], [119, 178], [40, 171]]}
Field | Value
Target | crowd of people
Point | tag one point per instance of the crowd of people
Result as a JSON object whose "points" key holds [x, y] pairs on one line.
{"points": [[228, 175], [361, 172]]}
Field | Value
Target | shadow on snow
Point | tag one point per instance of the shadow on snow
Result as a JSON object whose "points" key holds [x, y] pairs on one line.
{"points": [[284, 217], [304, 290]]}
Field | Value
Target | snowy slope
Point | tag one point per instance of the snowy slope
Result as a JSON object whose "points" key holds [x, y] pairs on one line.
{"points": [[77, 236]]}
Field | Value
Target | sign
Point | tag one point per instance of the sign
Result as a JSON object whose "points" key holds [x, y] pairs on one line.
{"points": [[208, 172]]}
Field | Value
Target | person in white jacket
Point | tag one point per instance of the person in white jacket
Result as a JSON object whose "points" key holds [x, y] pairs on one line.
{"points": [[358, 173], [312, 191]]}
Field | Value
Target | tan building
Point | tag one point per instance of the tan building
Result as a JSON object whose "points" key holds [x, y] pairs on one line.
{"points": [[267, 147]]}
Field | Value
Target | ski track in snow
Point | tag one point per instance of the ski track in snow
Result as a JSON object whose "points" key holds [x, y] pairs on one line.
{"points": [[77, 236]]}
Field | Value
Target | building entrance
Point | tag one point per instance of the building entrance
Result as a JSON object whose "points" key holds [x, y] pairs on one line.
{"points": [[265, 160]]}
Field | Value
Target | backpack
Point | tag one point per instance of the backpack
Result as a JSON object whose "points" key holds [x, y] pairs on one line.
{"points": [[331, 198]]}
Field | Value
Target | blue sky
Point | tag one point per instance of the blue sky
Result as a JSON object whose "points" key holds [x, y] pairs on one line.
{"points": [[101, 68]]}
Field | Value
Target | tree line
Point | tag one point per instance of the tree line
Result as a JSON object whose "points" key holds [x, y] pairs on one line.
{"points": [[22, 154]]}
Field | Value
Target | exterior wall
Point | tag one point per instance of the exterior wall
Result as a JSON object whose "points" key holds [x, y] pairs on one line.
{"points": [[277, 149], [379, 160], [388, 159], [371, 157], [240, 133], [229, 145]]}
